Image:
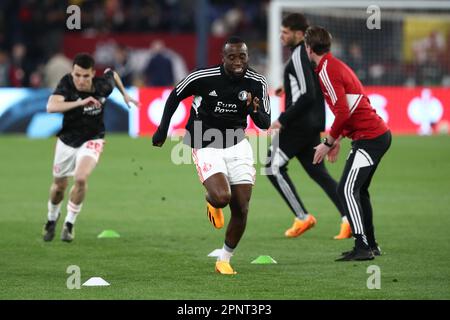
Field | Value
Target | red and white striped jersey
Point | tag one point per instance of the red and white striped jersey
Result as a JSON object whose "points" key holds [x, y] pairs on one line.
{"points": [[354, 116]]}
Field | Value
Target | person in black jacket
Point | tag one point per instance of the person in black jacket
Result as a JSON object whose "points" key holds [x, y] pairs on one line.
{"points": [[298, 130], [224, 96]]}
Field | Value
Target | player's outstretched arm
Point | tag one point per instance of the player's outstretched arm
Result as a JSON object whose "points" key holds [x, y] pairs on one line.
{"points": [[187, 87], [119, 84], [169, 109], [56, 103]]}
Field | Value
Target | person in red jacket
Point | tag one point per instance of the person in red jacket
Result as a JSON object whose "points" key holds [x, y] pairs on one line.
{"points": [[356, 119]]}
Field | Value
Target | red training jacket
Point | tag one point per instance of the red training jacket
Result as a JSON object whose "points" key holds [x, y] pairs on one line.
{"points": [[354, 116]]}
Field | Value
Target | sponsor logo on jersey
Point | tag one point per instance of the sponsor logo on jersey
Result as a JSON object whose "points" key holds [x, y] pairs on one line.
{"points": [[213, 93], [225, 107], [91, 110]]}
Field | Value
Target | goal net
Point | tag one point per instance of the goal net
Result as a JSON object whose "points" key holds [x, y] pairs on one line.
{"points": [[396, 43]]}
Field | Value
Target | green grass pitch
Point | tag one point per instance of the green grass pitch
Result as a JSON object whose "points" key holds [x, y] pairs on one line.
{"points": [[159, 210]]}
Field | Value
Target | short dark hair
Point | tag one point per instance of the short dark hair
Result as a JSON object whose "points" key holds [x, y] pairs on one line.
{"points": [[233, 40], [318, 39], [84, 60], [295, 21]]}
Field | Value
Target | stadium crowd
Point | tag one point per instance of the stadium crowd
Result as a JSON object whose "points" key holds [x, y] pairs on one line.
{"points": [[28, 60]]}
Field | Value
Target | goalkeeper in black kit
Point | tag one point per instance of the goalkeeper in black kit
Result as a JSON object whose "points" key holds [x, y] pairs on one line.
{"points": [[224, 96]]}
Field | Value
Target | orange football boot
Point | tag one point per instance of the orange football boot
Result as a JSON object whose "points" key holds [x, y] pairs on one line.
{"points": [[300, 226], [345, 232], [223, 267], [215, 216]]}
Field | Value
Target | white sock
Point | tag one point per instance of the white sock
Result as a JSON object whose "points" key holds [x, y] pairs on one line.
{"points": [[53, 210], [344, 219], [302, 216], [226, 253], [72, 212]]}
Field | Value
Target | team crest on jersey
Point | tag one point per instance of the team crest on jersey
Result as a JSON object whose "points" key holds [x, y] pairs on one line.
{"points": [[207, 167], [243, 95], [56, 168]]}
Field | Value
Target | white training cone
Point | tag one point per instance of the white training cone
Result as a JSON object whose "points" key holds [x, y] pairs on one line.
{"points": [[215, 253], [95, 282]]}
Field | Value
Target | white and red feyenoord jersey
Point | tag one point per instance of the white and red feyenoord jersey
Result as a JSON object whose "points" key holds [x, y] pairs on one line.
{"points": [[355, 118]]}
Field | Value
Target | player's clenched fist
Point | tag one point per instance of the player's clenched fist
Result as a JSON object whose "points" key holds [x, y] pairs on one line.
{"points": [[252, 103], [159, 137]]}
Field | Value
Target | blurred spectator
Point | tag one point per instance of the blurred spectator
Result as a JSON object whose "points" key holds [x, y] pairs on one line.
{"points": [[55, 69], [180, 70], [122, 65], [338, 47], [429, 54], [38, 27], [5, 69], [430, 73], [35, 79], [377, 74], [433, 44], [21, 66], [228, 23], [163, 67], [52, 25], [114, 15], [356, 61], [104, 52]]}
